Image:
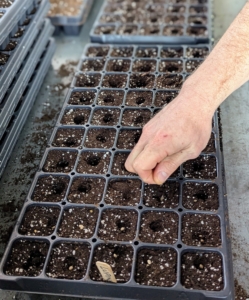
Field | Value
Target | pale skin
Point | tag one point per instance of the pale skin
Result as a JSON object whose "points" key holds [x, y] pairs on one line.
{"points": [[181, 130]]}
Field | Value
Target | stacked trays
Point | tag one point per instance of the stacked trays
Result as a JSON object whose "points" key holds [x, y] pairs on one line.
{"points": [[154, 22], [162, 242]]}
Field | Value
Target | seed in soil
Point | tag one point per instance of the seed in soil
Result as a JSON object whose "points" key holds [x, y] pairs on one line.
{"points": [[122, 51], [118, 225], [197, 31], [97, 51], [91, 65], [86, 190], [104, 29], [200, 196], [170, 81], [93, 162], [5, 3], [78, 116], [123, 192], [152, 18], [26, 258], [195, 52], [176, 9], [203, 167], [174, 52], [78, 222], [156, 267], [3, 58], [211, 145], [118, 166], [175, 19], [164, 98], [197, 10], [136, 117], [60, 161], [197, 20], [139, 98], [100, 138], [120, 257], [173, 30], [68, 137], [201, 230], [140, 65], [68, 261], [202, 271], [19, 33], [150, 30], [117, 81], [106, 117], [118, 65], [88, 80], [127, 139], [142, 81], [127, 30], [171, 66], [163, 196], [146, 52], [110, 98], [50, 188], [11, 46], [192, 65], [82, 98]]}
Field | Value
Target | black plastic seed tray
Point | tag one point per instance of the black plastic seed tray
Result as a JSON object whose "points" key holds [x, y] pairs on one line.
{"points": [[162, 242], [24, 106], [146, 22], [21, 79], [76, 16], [17, 47]]}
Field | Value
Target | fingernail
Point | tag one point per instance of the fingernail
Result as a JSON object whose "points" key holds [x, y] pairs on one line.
{"points": [[162, 177]]}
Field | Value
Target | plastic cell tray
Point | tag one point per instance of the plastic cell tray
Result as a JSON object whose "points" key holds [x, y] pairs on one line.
{"points": [[24, 106], [16, 56], [19, 82], [63, 201], [144, 22], [71, 25]]}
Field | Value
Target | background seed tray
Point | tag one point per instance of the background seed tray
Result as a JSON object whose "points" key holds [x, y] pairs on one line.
{"points": [[24, 105], [113, 25], [55, 188], [71, 25], [20, 81], [16, 56]]}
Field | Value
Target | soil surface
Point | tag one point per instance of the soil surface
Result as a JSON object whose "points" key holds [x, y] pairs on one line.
{"points": [[197, 9], [3, 58], [240, 293], [60, 161], [196, 52], [11, 46], [211, 145], [118, 166], [71, 8], [118, 225], [139, 98], [78, 116], [146, 52], [136, 117], [170, 81], [142, 81], [163, 98], [108, 29], [144, 65], [192, 65], [93, 162], [105, 117], [202, 271], [122, 51], [173, 30], [110, 98], [203, 167], [127, 30], [19, 33], [127, 139], [170, 66], [100, 138], [82, 98], [5, 3], [118, 65], [175, 19], [197, 31], [197, 20], [97, 51], [91, 65], [150, 30], [176, 52], [68, 137], [176, 9], [117, 81], [88, 80]]}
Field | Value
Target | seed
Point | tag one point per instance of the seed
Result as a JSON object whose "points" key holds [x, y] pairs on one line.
{"points": [[115, 255], [122, 228], [201, 266], [91, 211], [70, 268], [81, 226], [149, 262]]}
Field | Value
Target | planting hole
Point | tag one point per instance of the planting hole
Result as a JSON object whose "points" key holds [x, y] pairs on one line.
{"points": [[62, 163], [139, 120], [156, 225], [79, 119], [101, 138], [201, 195], [140, 100], [59, 187], [70, 261], [108, 118], [109, 99], [84, 188]]}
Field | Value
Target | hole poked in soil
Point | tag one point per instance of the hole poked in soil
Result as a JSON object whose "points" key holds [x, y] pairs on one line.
{"points": [[19, 33], [68, 261], [197, 20], [139, 98], [124, 192], [93, 162], [197, 52], [11, 46], [50, 189], [203, 167], [86, 190], [118, 256], [127, 139], [171, 66], [144, 65], [151, 18], [197, 31], [78, 223], [122, 51], [68, 137], [159, 227], [26, 258], [118, 166], [3, 58], [200, 196], [162, 98], [88, 80], [172, 52], [82, 98], [175, 19], [114, 81], [202, 271], [192, 65], [105, 29], [75, 116], [164, 196], [146, 52], [118, 65], [170, 81], [100, 138], [156, 267], [150, 30], [100, 51], [197, 9], [136, 117], [110, 98], [176, 9], [118, 225], [109, 19], [60, 161], [105, 117], [173, 30], [91, 65], [211, 145], [127, 30], [39, 220], [142, 81]]}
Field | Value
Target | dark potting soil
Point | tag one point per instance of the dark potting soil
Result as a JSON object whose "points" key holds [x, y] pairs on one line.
{"points": [[110, 98], [192, 65], [176, 52], [105, 117], [108, 29], [203, 167], [118, 65], [150, 30], [156, 267], [195, 52], [176, 9], [100, 138], [201, 230], [171, 66], [197, 20], [127, 139], [211, 145], [39, 220], [93, 162], [197, 9], [240, 293], [198, 1], [76, 116], [68, 261], [170, 81], [142, 81], [118, 225], [200, 196], [50, 189], [118, 166], [163, 98], [202, 271], [91, 65], [88, 80], [136, 117], [173, 30], [122, 51], [197, 31], [144, 65], [3, 58], [117, 81], [139, 98], [101, 51], [119, 257], [26, 258], [86, 190], [159, 227], [78, 222], [109, 19], [82, 98], [19, 33], [11, 46], [146, 52], [163, 196], [5, 3], [124, 192], [68, 137], [175, 19], [26, 21], [60, 161], [127, 30]]}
